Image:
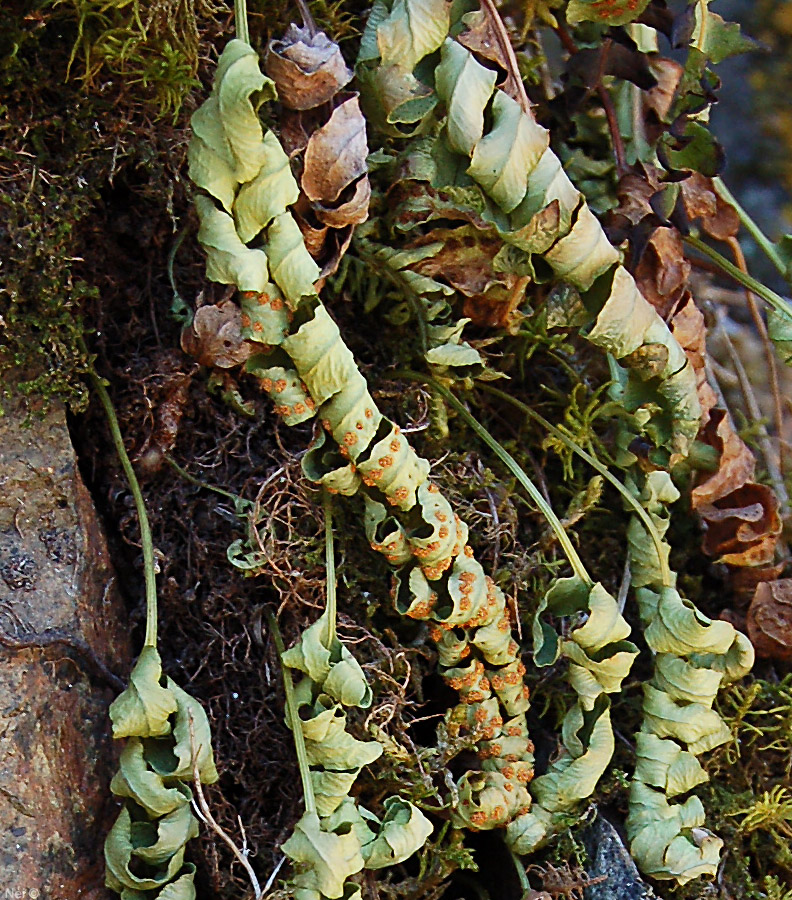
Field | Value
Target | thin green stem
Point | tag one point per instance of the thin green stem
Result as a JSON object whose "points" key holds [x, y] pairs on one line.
{"points": [[642, 514], [197, 481], [294, 719], [763, 242], [332, 607], [514, 467], [241, 20], [521, 875], [775, 300], [146, 542]]}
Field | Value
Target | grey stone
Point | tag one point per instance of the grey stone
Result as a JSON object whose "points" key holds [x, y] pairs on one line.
{"points": [[608, 856]]}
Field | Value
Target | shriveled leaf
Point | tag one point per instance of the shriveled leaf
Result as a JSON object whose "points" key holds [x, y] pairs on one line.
{"points": [[688, 327], [284, 388], [181, 889], [679, 628], [698, 726], [353, 211], [503, 158], [626, 323], [144, 708], [584, 254], [214, 338], [308, 69], [464, 257], [662, 763], [769, 620], [743, 527], [330, 665], [292, 267], [323, 860], [394, 98], [265, 316], [574, 775], [329, 745], [702, 202], [336, 153], [668, 841], [156, 842], [663, 271], [465, 87]]}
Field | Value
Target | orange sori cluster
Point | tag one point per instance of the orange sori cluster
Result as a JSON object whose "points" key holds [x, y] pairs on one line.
{"points": [[437, 571], [488, 687]]}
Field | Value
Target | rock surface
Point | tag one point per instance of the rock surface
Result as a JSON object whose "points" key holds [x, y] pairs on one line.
{"points": [[611, 858], [58, 608]]}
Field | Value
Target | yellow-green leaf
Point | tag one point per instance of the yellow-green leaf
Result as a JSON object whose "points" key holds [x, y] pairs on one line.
{"points": [[145, 707], [323, 860]]}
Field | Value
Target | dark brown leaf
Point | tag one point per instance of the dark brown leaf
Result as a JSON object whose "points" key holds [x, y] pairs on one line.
{"points": [[307, 69], [215, 336], [612, 58], [466, 262], [769, 620], [743, 527], [663, 271], [701, 201], [635, 192], [737, 463]]}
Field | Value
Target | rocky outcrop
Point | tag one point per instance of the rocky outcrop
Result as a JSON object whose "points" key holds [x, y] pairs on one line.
{"points": [[62, 627]]}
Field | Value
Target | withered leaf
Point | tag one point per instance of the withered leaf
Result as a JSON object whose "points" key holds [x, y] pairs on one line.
{"points": [[352, 212], [482, 38], [701, 201], [326, 245], [769, 620], [741, 517], [215, 336], [308, 69], [168, 414], [662, 272], [687, 326], [635, 192], [743, 527], [745, 579], [336, 153], [464, 260], [667, 74], [737, 463]]}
